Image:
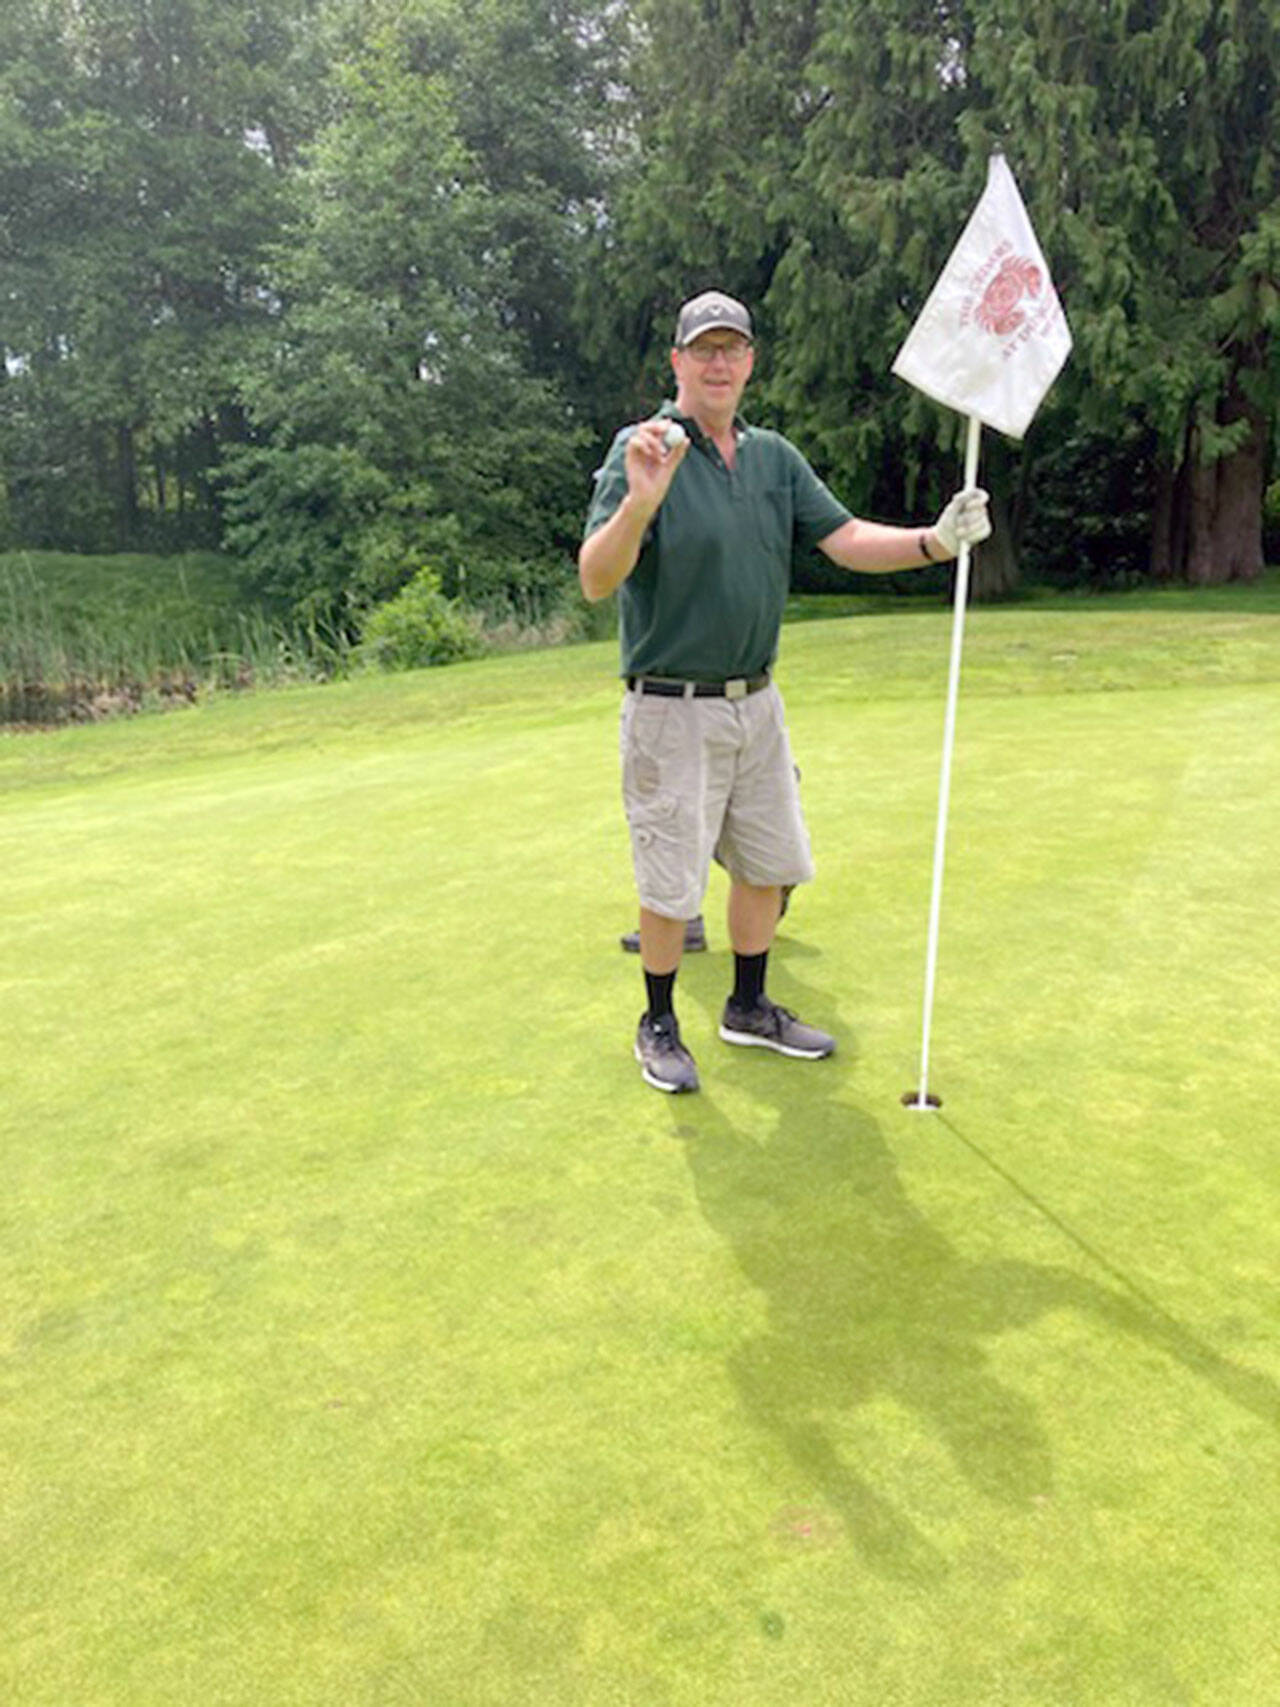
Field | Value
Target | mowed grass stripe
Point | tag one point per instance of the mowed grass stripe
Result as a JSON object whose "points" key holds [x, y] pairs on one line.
{"points": [[376, 1335]]}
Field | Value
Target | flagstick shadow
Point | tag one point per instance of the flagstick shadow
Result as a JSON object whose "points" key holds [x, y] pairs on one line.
{"points": [[1135, 1310], [868, 1302]]}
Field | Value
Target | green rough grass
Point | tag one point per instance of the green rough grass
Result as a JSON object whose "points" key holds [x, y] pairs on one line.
{"points": [[196, 592], [373, 1335], [85, 637]]}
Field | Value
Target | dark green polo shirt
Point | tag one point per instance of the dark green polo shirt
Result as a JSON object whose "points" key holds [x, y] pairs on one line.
{"points": [[704, 602]]}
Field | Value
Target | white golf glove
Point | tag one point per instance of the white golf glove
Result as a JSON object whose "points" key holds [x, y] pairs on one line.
{"points": [[964, 521]]}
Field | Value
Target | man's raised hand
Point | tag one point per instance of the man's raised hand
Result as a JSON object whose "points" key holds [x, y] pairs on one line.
{"points": [[651, 460]]}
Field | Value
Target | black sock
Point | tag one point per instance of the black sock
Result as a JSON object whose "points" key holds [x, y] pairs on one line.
{"points": [[748, 978], [660, 986]]}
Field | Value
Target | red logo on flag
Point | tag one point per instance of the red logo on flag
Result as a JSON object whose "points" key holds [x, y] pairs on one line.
{"points": [[1000, 311]]}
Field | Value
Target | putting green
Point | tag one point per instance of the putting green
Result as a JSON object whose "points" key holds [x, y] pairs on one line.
{"points": [[372, 1334]]}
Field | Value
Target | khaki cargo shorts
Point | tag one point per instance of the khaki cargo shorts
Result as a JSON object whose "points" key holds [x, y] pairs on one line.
{"points": [[704, 778]]}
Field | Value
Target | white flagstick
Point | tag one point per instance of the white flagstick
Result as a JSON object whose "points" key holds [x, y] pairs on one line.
{"points": [[921, 1099]]}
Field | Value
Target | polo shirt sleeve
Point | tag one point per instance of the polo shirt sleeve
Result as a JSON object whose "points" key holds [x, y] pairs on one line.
{"points": [[816, 509], [611, 484]]}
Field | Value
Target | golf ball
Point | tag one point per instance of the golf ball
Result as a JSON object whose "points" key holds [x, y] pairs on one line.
{"points": [[674, 435]]}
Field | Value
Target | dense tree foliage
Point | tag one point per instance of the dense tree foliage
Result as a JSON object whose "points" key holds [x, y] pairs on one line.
{"points": [[139, 193], [422, 325], [359, 286]]}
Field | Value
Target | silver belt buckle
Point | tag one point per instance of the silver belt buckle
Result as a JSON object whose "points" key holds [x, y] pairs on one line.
{"points": [[736, 689]]}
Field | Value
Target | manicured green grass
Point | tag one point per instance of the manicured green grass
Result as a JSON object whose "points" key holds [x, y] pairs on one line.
{"points": [[1257, 598], [374, 1335]]}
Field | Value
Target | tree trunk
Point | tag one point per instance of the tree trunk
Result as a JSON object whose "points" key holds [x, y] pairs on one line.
{"points": [[995, 569], [1237, 528], [1169, 515], [127, 483], [1207, 525], [1202, 492]]}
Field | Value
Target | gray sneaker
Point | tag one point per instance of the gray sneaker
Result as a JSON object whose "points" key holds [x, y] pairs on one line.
{"points": [[767, 1026], [664, 1061], [695, 938]]}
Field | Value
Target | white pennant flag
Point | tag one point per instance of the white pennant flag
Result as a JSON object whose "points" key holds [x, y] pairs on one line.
{"points": [[992, 337]]}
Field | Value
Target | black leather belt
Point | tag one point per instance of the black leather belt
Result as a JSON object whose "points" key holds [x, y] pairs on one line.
{"points": [[737, 688]]}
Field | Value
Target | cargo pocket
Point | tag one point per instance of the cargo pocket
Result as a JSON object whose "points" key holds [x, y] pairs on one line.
{"points": [[664, 855]]}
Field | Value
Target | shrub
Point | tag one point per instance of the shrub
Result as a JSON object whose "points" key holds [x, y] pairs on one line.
{"points": [[527, 602], [529, 590], [418, 627], [298, 517]]}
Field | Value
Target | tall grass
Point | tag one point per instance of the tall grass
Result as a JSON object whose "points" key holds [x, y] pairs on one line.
{"points": [[82, 639]]}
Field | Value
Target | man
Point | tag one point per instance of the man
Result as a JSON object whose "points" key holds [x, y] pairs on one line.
{"points": [[695, 531]]}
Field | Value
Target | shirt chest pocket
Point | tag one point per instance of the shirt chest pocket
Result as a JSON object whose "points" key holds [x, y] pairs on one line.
{"points": [[773, 519]]}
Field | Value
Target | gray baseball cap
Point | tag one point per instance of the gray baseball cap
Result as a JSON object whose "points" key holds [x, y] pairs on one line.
{"points": [[712, 311]]}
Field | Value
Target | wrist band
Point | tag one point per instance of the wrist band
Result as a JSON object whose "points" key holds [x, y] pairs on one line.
{"points": [[925, 552]]}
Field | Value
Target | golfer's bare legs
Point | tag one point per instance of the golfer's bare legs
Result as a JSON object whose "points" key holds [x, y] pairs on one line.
{"points": [[753, 917], [661, 941]]}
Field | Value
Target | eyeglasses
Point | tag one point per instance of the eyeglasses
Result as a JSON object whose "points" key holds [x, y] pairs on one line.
{"points": [[705, 354]]}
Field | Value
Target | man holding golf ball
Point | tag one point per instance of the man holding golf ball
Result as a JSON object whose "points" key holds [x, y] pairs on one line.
{"points": [[694, 521]]}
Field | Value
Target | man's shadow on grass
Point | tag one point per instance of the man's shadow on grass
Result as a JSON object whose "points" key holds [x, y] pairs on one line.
{"points": [[867, 1300]]}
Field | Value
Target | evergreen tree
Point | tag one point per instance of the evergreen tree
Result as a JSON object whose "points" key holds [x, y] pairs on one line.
{"points": [[822, 160], [716, 110]]}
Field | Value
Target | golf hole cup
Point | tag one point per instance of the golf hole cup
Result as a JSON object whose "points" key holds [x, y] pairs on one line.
{"points": [[673, 436], [912, 1099]]}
